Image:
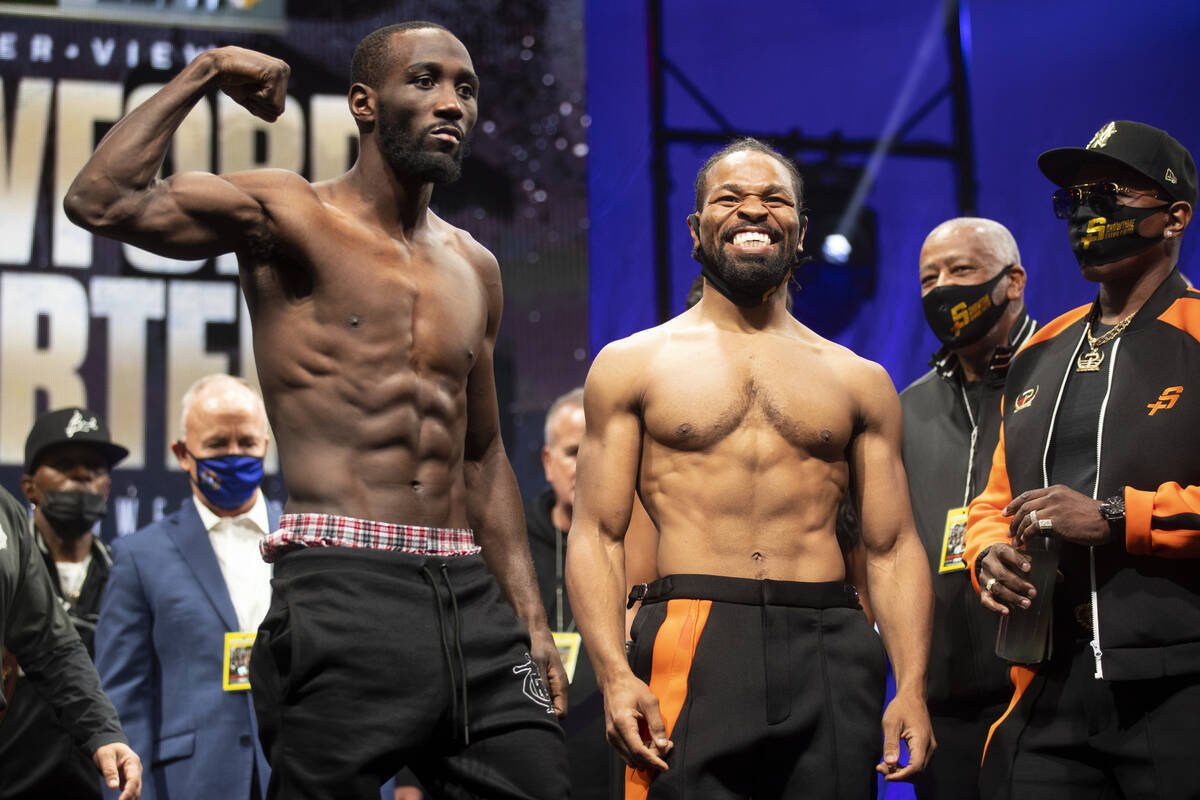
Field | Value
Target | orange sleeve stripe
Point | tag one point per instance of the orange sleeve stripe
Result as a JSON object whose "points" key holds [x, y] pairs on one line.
{"points": [[1184, 314], [1170, 499], [1139, 508], [1021, 677], [1056, 326], [674, 650], [986, 525]]}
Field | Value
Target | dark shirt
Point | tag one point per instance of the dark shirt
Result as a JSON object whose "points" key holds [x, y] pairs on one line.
{"points": [[588, 752], [35, 627], [38, 756], [938, 409]]}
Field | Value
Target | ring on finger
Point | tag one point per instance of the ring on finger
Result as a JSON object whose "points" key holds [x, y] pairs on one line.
{"points": [[988, 586], [1045, 524], [1033, 520]]}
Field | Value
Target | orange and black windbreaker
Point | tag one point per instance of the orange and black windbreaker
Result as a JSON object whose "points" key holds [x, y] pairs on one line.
{"points": [[1146, 588]]}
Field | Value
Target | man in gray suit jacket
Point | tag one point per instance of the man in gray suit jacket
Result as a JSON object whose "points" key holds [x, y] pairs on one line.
{"points": [[184, 598]]}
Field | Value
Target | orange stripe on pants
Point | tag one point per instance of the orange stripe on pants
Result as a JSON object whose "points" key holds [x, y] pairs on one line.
{"points": [[1021, 677], [674, 649]]}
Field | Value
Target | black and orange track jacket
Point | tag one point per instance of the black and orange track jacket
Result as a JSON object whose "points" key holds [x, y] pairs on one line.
{"points": [[1145, 589]]}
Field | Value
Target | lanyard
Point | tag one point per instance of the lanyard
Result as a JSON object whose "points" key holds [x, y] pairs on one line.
{"points": [[559, 584], [974, 438]]}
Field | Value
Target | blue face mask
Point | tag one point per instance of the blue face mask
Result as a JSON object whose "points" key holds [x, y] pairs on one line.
{"points": [[228, 481]]}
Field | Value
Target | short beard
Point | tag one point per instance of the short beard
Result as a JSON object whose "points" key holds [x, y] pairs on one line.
{"points": [[752, 275], [406, 158]]}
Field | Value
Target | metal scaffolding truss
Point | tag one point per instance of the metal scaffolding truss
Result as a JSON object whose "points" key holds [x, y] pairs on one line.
{"points": [[959, 150]]}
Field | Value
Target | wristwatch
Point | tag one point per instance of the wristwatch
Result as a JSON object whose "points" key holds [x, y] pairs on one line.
{"points": [[1112, 511]]}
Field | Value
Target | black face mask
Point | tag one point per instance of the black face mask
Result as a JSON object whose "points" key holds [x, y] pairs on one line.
{"points": [[72, 514], [750, 283], [1103, 238], [962, 315]]}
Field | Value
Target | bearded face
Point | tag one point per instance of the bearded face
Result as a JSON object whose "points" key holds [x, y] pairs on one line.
{"points": [[439, 161]]}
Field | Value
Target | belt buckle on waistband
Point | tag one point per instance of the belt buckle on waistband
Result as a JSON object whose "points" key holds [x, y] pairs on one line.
{"points": [[636, 594]]}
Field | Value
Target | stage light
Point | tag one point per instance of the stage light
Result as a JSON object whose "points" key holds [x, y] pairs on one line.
{"points": [[836, 249]]}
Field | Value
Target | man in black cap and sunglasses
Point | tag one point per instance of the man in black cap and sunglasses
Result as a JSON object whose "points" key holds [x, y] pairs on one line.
{"points": [[1095, 452]]}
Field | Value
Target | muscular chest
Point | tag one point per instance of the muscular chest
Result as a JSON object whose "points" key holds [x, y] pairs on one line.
{"points": [[761, 400], [375, 301]]}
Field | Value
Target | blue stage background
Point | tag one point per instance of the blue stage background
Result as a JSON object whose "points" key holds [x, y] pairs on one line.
{"points": [[1041, 75]]}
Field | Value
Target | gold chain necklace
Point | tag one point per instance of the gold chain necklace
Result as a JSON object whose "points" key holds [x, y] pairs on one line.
{"points": [[1091, 360]]}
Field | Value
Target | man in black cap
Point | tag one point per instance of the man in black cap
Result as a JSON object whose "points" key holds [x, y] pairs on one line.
{"points": [[1098, 451], [68, 456], [972, 290]]}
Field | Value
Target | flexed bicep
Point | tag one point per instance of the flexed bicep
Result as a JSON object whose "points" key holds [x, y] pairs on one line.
{"points": [[119, 193]]}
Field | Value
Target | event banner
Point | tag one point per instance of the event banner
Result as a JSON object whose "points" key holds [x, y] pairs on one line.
{"points": [[92, 322]]}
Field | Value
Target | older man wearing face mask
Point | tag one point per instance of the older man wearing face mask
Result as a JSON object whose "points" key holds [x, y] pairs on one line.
{"points": [[68, 456], [972, 290], [185, 597]]}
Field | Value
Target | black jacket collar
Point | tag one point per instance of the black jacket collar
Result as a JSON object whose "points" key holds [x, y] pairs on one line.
{"points": [[945, 362]]}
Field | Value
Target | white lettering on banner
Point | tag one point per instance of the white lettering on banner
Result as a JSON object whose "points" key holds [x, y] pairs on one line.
{"points": [[333, 132], [128, 304], [238, 129], [80, 105], [191, 306], [21, 167], [125, 508], [160, 55], [41, 48], [24, 367], [102, 50]]}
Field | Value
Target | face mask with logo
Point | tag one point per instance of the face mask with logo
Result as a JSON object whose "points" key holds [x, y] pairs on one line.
{"points": [[72, 514], [1103, 238], [962, 315], [228, 481]]}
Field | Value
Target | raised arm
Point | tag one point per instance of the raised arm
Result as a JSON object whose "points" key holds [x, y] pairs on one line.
{"points": [[605, 479], [119, 193], [897, 571], [494, 502]]}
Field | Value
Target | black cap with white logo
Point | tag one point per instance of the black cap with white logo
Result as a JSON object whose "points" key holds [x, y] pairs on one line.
{"points": [[65, 426], [1141, 147]]}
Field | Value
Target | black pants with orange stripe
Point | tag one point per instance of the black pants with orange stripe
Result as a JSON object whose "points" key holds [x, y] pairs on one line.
{"points": [[769, 689], [1070, 736]]}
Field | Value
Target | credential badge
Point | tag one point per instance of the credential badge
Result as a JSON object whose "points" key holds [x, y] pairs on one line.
{"points": [[1102, 136]]}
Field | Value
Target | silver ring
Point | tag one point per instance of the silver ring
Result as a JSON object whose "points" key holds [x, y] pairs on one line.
{"points": [[988, 586], [1033, 517], [1044, 524]]}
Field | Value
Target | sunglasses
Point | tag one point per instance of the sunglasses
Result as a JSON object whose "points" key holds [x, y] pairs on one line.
{"points": [[1101, 196]]}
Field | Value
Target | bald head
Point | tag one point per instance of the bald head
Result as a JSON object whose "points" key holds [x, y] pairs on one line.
{"points": [[220, 395], [988, 234], [969, 250]]}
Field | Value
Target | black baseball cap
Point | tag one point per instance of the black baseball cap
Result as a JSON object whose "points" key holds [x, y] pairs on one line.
{"points": [[72, 425], [1141, 147]]}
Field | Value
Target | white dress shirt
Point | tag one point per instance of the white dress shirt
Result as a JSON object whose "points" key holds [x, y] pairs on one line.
{"points": [[235, 541]]}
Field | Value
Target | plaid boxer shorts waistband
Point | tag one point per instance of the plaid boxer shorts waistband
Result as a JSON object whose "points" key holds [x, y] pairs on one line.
{"points": [[298, 531]]}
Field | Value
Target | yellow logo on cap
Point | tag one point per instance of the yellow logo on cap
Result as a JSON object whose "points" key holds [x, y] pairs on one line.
{"points": [[1170, 176], [1102, 136]]}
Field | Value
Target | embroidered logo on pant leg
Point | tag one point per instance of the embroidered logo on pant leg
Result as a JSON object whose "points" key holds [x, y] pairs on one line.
{"points": [[532, 684]]}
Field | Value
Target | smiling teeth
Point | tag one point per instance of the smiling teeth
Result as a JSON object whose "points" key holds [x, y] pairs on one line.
{"points": [[751, 239]]}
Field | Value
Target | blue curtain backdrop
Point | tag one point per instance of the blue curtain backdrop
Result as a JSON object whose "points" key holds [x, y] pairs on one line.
{"points": [[1041, 75]]}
